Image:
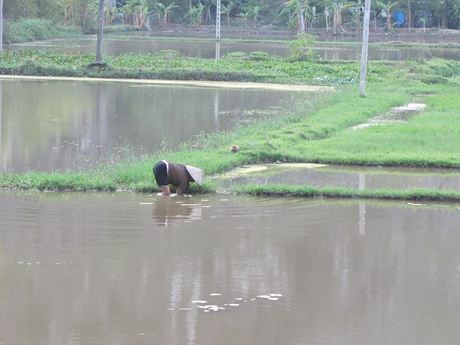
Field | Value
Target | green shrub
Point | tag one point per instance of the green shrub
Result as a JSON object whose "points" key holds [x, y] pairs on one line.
{"points": [[433, 79], [259, 56], [28, 30], [236, 56], [169, 54]]}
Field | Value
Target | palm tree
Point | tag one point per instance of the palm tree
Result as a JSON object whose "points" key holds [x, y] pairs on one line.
{"points": [[387, 9], [337, 7]]}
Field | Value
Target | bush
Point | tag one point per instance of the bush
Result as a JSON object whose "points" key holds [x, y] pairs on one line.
{"points": [[259, 56], [433, 79], [236, 56], [28, 30]]}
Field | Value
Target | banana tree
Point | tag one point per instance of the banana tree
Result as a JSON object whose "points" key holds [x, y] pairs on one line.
{"points": [[310, 15], [110, 14], [387, 9], [195, 14], [337, 7], [297, 8], [357, 14], [167, 12], [244, 18], [255, 10], [64, 8], [226, 10]]}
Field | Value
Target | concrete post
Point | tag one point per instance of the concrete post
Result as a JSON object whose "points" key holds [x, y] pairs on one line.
{"points": [[362, 79]]}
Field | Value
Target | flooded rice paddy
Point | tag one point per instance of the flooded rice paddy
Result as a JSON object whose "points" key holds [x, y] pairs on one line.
{"points": [[101, 268], [67, 124], [356, 177], [207, 49]]}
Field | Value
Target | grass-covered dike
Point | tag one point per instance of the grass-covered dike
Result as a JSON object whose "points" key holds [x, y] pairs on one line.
{"points": [[318, 131]]}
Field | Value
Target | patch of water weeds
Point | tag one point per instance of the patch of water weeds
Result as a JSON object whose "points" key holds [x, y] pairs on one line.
{"points": [[394, 115]]}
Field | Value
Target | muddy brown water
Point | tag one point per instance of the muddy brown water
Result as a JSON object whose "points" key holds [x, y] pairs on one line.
{"points": [[67, 124], [100, 268], [207, 49]]}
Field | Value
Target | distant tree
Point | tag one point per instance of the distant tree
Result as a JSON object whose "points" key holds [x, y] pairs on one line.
{"points": [[356, 11], [296, 9], [226, 10], [244, 18], [167, 12], [195, 15], [387, 9], [337, 7], [302, 47]]}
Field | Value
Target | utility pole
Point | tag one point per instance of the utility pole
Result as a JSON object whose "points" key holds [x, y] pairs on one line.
{"points": [[218, 20], [1, 25], [218, 30], [362, 79], [100, 32]]}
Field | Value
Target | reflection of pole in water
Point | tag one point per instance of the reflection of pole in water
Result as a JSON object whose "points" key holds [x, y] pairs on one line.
{"points": [[362, 207], [216, 108], [362, 181], [99, 121], [217, 50], [362, 219]]}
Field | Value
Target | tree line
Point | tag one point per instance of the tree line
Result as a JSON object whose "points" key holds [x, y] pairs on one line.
{"points": [[299, 15]]}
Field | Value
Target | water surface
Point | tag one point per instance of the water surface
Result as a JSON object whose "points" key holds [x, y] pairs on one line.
{"points": [[102, 268], [60, 124], [356, 177], [207, 49]]}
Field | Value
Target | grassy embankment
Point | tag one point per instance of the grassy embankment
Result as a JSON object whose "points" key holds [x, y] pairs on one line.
{"points": [[316, 131]]}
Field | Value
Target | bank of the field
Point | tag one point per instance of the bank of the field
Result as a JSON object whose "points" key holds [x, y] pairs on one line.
{"points": [[318, 130], [331, 192]]}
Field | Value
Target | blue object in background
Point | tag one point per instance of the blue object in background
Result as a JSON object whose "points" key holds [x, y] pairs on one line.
{"points": [[399, 18]]}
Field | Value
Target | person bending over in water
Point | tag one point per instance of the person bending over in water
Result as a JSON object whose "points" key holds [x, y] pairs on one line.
{"points": [[177, 174]]}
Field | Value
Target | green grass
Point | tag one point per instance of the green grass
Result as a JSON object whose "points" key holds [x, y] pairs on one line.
{"points": [[332, 192], [318, 130]]}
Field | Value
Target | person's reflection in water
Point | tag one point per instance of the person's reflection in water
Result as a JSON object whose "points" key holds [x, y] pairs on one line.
{"points": [[167, 211]]}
